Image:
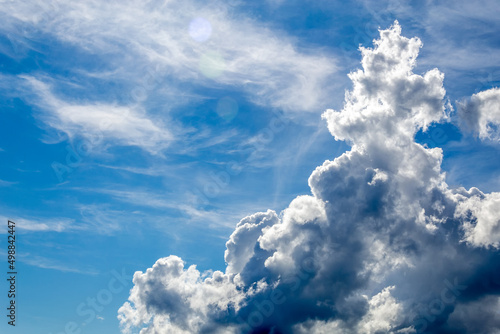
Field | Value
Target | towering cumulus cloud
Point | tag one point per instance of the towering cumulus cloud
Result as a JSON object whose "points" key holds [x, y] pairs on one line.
{"points": [[382, 245]]}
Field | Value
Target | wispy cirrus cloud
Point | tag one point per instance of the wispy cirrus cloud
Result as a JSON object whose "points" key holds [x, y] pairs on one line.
{"points": [[99, 122], [42, 225], [181, 206], [158, 37], [46, 263], [91, 217]]}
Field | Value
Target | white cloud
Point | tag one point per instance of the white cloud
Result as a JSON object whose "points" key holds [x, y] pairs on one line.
{"points": [[152, 39], [98, 122], [180, 300], [53, 224], [378, 247], [241, 243], [482, 225], [384, 313], [4, 183], [400, 102], [481, 114]]}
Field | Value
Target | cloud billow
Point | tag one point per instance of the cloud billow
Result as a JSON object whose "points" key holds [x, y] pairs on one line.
{"points": [[382, 245], [481, 114]]}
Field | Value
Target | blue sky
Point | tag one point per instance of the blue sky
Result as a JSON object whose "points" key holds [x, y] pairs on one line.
{"points": [[132, 131]]}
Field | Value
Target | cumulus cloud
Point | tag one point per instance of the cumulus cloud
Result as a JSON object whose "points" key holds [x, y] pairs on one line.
{"points": [[481, 114], [382, 245], [383, 314], [457, 27], [186, 301], [484, 227]]}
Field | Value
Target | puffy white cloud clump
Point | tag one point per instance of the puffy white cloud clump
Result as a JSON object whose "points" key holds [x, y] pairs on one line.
{"points": [[481, 114], [484, 227], [382, 245]]}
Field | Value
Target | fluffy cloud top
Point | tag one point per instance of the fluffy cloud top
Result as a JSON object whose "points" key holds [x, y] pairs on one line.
{"points": [[382, 244]]}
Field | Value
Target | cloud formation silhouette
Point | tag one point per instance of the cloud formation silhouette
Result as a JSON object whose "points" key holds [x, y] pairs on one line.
{"points": [[382, 245]]}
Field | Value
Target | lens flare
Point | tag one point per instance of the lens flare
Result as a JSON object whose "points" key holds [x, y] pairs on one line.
{"points": [[200, 29], [212, 65], [227, 108]]}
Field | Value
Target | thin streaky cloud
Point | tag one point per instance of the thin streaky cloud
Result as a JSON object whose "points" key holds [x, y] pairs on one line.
{"points": [[38, 225], [240, 51], [4, 183], [46, 263], [98, 122]]}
